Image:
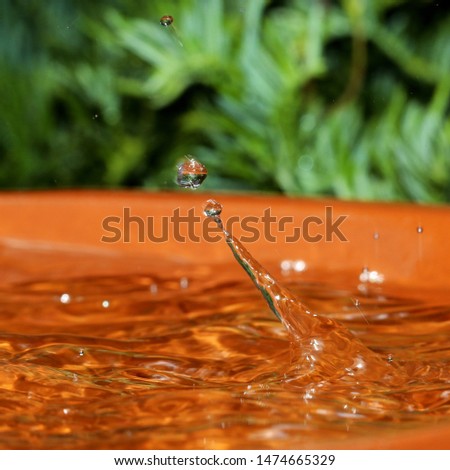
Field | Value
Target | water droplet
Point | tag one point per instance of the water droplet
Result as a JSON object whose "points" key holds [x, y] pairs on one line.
{"points": [[191, 173], [374, 277], [285, 265], [65, 298], [212, 208], [66, 411], [299, 266], [153, 289], [376, 236], [184, 283], [390, 358], [419, 229], [95, 116], [292, 265], [166, 20], [356, 302], [81, 352], [105, 304]]}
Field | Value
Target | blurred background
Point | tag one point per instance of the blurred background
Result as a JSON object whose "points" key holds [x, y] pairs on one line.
{"points": [[346, 98]]}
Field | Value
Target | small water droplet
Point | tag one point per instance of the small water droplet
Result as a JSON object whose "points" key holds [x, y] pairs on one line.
{"points": [[166, 20], [376, 236], [66, 411], [390, 358], [95, 116], [212, 208], [184, 283], [105, 304], [285, 265], [419, 229], [191, 173], [153, 289], [299, 266], [81, 352], [292, 265], [374, 277], [65, 298], [356, 302]]}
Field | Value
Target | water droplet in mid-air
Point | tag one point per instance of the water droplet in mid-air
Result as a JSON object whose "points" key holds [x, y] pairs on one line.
{"points": [[166, 20], [191, 173], [376, 236], [65, 298], [153, 288], [212, 208], [374, 277], [288, 265], [419, 229]]}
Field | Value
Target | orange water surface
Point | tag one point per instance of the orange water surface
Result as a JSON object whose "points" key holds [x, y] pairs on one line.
{"points": [[167, 357]]}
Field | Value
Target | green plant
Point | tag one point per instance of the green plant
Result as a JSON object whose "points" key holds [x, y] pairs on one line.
{"points": [[305, 97]]}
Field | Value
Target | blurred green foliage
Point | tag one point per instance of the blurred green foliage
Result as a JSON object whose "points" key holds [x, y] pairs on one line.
{"points": [[306, 97]]}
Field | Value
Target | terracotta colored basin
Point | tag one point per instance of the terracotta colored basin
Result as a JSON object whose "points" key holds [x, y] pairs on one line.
{"points": [[407, 244]]}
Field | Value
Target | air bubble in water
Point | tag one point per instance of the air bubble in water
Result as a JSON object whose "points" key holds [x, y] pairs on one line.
{"points": [[166, 20], [191, 173]]}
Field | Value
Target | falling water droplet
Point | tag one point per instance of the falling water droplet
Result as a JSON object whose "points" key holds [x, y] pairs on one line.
{"points": [[166, 20], [191, 173], [65, 298], [376, 236], [212, 208], [105, 304], [357, 304], [292, 265], [184, 283], [419, 229], [153, 289], [373, 277]]}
